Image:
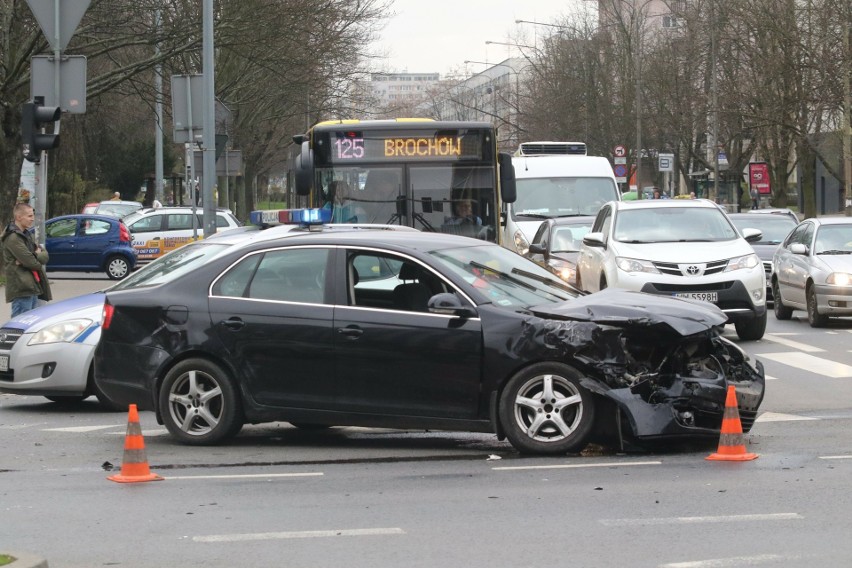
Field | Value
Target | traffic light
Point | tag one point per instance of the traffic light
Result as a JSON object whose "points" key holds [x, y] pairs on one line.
{"points": [[34, 117]]}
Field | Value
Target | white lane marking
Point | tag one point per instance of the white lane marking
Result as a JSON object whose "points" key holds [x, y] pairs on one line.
{"points": [[245, 476], [697, 520], [295, 534], [574, 466], [835, 457], [811, 364], [145, 433], [779, 417], [733, 561], [78, 429], [21, 426], [768, 378], [793, 344]]}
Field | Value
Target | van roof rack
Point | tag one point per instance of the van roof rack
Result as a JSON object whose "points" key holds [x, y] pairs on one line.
{"points": [[551, 148]]}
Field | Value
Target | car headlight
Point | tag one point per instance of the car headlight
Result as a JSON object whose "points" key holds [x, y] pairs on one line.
{"points": [[747, 261], [839, 279], [635, 265], [64, 331], [522, 245], [564, 269]]}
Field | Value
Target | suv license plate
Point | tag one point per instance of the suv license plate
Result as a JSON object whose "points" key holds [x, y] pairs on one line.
{"points": [[704, 296], [4, 363]]}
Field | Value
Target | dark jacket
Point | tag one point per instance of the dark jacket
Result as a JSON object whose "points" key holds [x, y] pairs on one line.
{"points": [[22, 263]]}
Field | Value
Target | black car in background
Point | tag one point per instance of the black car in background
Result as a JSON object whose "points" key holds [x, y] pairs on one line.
{"points": [[556, 245], [335, 327]]}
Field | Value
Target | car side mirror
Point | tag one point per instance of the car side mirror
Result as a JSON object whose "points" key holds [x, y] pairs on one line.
{"points": [[594, 240], [450, 305], [799, 248], [752, 235], [537, 248]]}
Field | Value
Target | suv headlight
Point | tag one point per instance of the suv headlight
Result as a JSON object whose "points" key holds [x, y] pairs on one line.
{"points": [[635, 265], [59, 332], [521, 243], [747, 261], [839, 279]]}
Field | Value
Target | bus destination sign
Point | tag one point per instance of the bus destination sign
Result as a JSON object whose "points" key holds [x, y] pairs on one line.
{"points": [[355, 146]]}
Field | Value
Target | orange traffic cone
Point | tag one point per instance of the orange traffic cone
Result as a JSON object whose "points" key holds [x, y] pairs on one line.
{"points": [[134, 466], [731, 447]]}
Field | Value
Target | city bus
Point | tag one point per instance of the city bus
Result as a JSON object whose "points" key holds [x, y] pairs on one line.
{"points": [[431, 175]]}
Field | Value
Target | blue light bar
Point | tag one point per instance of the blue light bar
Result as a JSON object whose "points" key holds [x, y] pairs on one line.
{"points": [[302, 217]]}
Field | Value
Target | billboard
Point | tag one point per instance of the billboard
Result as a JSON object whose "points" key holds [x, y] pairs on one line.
{"points": [[758, 177]]}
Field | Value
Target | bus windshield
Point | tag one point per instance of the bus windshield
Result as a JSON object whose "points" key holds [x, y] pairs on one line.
{"points": [[433, 176]]}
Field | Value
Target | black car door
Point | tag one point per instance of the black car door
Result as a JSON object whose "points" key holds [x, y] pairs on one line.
{"points": [[271, 314], [393, 356]]}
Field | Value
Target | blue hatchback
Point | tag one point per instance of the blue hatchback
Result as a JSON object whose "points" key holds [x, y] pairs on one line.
{"points": [[90, 243]]}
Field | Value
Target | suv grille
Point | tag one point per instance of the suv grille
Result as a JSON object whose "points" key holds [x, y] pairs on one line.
{"points": [[673, 269], [8, 337]]}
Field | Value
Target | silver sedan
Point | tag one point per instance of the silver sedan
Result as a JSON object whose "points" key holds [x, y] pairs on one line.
{"points": [[813, 270]]}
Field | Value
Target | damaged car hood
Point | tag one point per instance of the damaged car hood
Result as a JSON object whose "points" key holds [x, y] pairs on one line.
{"points": [[615, 307]]}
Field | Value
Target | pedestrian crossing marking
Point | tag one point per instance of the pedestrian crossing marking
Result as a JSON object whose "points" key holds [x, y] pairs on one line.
{"points": [[80, 429], [780, 417], [775, 338], [811, 364]]}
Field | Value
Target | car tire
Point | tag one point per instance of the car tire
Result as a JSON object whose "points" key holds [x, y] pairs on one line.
{"points": [[199, 403], [815, 318], [603, 283], [782, 312], [753, 329], [545, 410], [117, 267], [93, 389]]}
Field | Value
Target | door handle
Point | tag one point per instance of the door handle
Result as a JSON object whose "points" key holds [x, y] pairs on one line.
{"points": [[234, 324], [350, 332]]}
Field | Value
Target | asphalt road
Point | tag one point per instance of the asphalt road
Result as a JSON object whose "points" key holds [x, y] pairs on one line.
{"points": [[278, 496]]}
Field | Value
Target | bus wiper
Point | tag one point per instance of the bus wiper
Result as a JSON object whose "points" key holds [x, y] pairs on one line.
{"points": [[572, 215], [533, 215]]}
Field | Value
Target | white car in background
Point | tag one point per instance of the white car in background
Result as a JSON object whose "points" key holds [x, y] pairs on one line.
{"points": [[684, 248], [49, 351]]}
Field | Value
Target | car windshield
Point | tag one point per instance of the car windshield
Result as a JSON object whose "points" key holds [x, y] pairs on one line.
{"points": [[774, 228], [508, 279], [834, 239], [567, 238], [562, 196], [172, 265], [673, 225]]}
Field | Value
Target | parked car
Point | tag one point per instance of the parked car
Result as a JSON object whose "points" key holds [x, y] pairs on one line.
{"points": [[777, 211], [813, 271], [163, 229], [89, 243], [556, 245], [115, 208], [48, 351], [475, 337], [90, 208], [774, 229], [686, 248]]}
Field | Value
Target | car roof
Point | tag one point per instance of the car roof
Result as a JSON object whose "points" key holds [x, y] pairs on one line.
{"points": [[832, 220], [668, 203], [578, 220], [759, 216], [108, 218], [117, 202]]}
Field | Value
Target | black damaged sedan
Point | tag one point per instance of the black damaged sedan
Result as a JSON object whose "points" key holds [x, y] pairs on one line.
{"points": [[400, 329]]}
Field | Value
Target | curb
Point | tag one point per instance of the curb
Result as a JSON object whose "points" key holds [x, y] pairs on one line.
{"points": [[26, 560]]}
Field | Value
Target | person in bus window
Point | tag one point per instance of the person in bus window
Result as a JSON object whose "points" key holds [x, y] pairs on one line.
{"points": [[464, 214]]}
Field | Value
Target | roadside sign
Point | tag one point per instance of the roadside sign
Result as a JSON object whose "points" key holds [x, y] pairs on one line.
{"points": [[665, 162], [619, 160], [620, 151], [758, 177], [70, 14], [620, 171], [72, 82]]}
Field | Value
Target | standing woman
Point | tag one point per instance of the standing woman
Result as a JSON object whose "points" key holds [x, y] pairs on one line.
{"points": [[24, 261]]}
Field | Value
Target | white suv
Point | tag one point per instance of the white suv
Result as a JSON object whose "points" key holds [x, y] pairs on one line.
{"points": [[680, 248], [163, 229]]}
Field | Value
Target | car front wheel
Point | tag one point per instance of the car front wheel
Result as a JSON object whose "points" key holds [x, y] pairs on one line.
{"points": [[545, 410], [117, 267], [782, 312], [753, 329], [199, 403], [815, 318]]}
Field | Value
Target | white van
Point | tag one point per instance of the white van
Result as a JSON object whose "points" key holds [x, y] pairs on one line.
{"points": [[555, 179]]}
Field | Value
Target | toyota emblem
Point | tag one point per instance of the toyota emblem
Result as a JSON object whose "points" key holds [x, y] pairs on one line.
{"points": [[692, 270]]}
